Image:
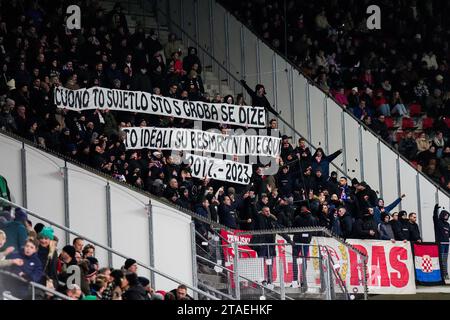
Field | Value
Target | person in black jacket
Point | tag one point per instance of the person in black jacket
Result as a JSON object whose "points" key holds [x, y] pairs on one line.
{"points": [[414, 232], [48, 256], [400, 226], [365, 227], [267, 221], [247, 211], [345, 223], [442, 235], [259, 97], [135, 290], [303, 220], [285, 182], [227, 212]]}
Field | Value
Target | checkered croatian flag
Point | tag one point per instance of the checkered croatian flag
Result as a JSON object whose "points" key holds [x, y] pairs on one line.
{"points": [[426, 261]]}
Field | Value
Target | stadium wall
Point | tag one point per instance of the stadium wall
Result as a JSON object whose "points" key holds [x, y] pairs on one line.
{"points": [[100, 209]]}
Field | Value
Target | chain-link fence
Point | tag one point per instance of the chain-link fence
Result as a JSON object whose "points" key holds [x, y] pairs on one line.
{"points": [[325, 268]]}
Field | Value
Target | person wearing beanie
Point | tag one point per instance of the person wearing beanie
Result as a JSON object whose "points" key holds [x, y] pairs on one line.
{"points": [[135, 290], [146, 285], [48, 256], [38, 227], [442, 235], [130, 265], [16, 231], [65, 260], [20, 215]]}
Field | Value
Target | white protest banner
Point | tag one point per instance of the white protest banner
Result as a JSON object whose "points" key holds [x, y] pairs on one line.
{"points": [[218, 169], [198, 140], [143, 102]]}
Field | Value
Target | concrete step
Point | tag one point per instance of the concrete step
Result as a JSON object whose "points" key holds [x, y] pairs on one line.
{"points": [[212, 278]]}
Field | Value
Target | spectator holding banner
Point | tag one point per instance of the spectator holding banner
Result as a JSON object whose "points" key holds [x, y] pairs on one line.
{"points": [[442, 235]]}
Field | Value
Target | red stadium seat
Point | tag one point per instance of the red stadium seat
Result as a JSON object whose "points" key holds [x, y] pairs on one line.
{"points": [[415, 110], [447, 122], [427, 123], [389, 122], [408, 123]]}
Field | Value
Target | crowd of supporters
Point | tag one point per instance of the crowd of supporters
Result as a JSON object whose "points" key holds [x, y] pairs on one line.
{"points": [[31, 253], [396, 79], [38, 54]]}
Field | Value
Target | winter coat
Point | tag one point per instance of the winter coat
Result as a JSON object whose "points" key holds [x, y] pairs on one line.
{"points": [[441, 226], [363, 227], [228, 216], [49, 264], [324, 164], [414, 232], [387, 209], [32, 266], [343, 226], [258, 101], [386, 231], [16, 235], [401, 230], [285, 184], [263, 222], [136, 292], [304, 220]]}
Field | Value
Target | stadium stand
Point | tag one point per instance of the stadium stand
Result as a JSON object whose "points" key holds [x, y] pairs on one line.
{"points": [[37, 54], [403, 74]]}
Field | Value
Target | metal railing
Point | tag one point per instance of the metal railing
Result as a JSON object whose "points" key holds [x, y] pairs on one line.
{"points": [[217, 246], [13, 283], [214, 252], [111, 250]]}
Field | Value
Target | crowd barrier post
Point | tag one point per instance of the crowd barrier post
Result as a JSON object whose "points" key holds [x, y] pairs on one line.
{"points": [[237, 284]]}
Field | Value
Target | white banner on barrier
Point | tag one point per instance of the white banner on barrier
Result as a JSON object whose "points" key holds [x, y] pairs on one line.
{"points": [[144, 102], [198, 140], [218, 169], [390, 268]]}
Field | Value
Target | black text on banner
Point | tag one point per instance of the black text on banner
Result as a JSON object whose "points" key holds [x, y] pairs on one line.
{"points": [[198, 140], [144, 102], [218, 169]]}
